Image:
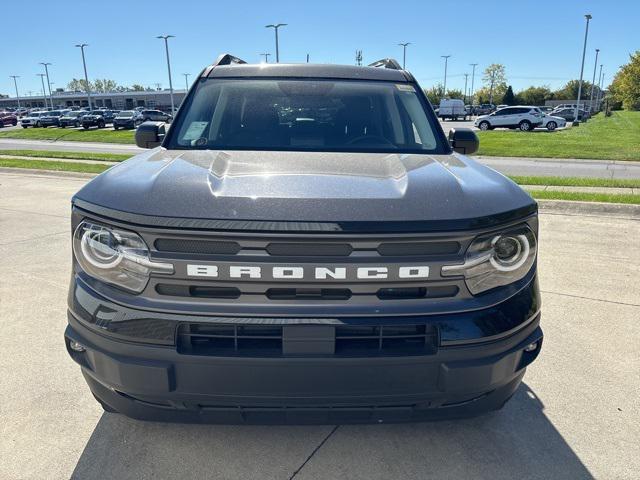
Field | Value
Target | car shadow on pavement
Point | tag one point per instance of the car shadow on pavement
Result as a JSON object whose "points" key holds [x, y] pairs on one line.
{"points": [[516, 442]]}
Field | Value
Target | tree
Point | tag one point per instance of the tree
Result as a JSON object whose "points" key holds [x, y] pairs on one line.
{"points": [[509, 98], [625, 87], [570, 90], [495, 79], [76, 85], [104, 85], [435, 94], [136, 87], [534, 95], [455, 93]]}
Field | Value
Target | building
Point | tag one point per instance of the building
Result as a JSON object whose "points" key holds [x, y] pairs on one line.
{"points": [[157, 99]]}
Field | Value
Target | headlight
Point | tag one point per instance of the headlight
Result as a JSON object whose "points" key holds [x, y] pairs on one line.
{"points": [[115, 256], [496, 260]]}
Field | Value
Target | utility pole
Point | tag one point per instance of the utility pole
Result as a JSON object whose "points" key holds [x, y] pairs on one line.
{"points": [[359, 57], [44, 92], [473, 77], [584, 51], [186, 81], [404, 53], [466, 77], [266, 57], [593, 81], [86, 78], [15, 83], [446, 60], [275, 27], [166, 48], [307, 58], [46, 71]]}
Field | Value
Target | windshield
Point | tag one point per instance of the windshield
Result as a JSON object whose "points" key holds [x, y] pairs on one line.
{"points": [[125, 114], [320, 115]]}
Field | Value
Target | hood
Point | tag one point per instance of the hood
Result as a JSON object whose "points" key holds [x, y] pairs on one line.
{"points": [[304, 187]]}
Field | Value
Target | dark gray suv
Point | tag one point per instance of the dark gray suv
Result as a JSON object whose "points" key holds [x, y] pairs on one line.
{"points": [[303, 245]]}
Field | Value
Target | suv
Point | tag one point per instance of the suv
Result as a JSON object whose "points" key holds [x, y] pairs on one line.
{"points": [[303, 245], [97, 118], [127, 119], [8, 118], [155, 115], [32, 119], [72, 119], [51, 119], [524, 118]]}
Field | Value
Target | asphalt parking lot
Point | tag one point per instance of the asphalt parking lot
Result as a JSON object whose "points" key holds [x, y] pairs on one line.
{"points": [[575, 416]]}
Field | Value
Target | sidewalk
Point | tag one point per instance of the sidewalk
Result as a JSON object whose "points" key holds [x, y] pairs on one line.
{"points": [[608, 190]]}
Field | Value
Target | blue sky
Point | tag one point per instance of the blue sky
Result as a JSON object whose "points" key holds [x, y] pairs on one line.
{"points": [[540, 42]]}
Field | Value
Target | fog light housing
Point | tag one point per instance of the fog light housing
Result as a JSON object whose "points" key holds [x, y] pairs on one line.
{"points": [[76, 347], [531, 347]]}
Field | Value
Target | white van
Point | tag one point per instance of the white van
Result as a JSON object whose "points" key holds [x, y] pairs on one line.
{"points": [[452, 108]]}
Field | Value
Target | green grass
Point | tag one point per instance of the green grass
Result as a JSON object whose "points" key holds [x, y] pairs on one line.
{"points": [[602, 138], [53, 165], [91, 135], [109, 157], [586, 197], [576, 181]]}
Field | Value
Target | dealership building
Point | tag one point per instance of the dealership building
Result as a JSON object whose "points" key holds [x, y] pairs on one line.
{"points": [[156, 99]]}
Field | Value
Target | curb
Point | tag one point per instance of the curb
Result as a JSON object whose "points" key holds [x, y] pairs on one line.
{"points": [[567, 207]]}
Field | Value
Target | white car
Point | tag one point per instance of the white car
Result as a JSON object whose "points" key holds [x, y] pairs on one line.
{"points": [[551, 123], [526, 118], [31, 119]]}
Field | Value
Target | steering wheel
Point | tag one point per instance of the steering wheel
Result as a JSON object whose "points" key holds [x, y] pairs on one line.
{"points": [[369, 139]]}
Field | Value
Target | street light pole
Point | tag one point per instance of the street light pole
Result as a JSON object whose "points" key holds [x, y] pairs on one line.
{"points": [[404, 53], [599, 96], [46, 71], [86, 77], [466, 77], [446, 60], [44, 92], [166, 48], [266, 57], [15, 83], [275, 27], [584, 51], [186, 81], [473, 77], [593, 81]]}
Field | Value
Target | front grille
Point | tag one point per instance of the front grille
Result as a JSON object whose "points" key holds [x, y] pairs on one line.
{"points": [[306, 340]]}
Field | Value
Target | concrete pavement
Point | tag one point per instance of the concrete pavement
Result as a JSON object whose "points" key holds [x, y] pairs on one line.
{"points": [[575, 416]]}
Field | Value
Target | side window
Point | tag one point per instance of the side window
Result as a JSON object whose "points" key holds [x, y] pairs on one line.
{"points": [[505, 111]]}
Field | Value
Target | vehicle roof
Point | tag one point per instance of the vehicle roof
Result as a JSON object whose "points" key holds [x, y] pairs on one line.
{"points": [[307, 70]]}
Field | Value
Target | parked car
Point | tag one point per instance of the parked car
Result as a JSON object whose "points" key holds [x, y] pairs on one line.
{"points": [[525, 118], [190, 278], [127, 119], [547, 109], [32, 119], [8, 118], [51, 119], [72, 118], [552, 122], [452, 108], [501, 106], [97, 118], [485, 109], [569, 114], [156, 116]]}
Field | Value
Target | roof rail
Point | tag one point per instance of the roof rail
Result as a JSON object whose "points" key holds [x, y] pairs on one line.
{"points": [[387, 63], [227, 59]]}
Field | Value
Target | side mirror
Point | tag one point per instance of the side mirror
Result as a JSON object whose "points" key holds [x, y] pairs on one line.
{"points": [[463, 140], [150, 134]]}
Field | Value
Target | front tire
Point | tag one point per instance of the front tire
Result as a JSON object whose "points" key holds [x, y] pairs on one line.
{"points": [[484, 126], [86, 127], [551, 126], [38, 124], [525, 126], [100, 124]]}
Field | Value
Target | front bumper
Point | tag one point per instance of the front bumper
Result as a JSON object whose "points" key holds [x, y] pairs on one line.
{"points": [[475, 372]]}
